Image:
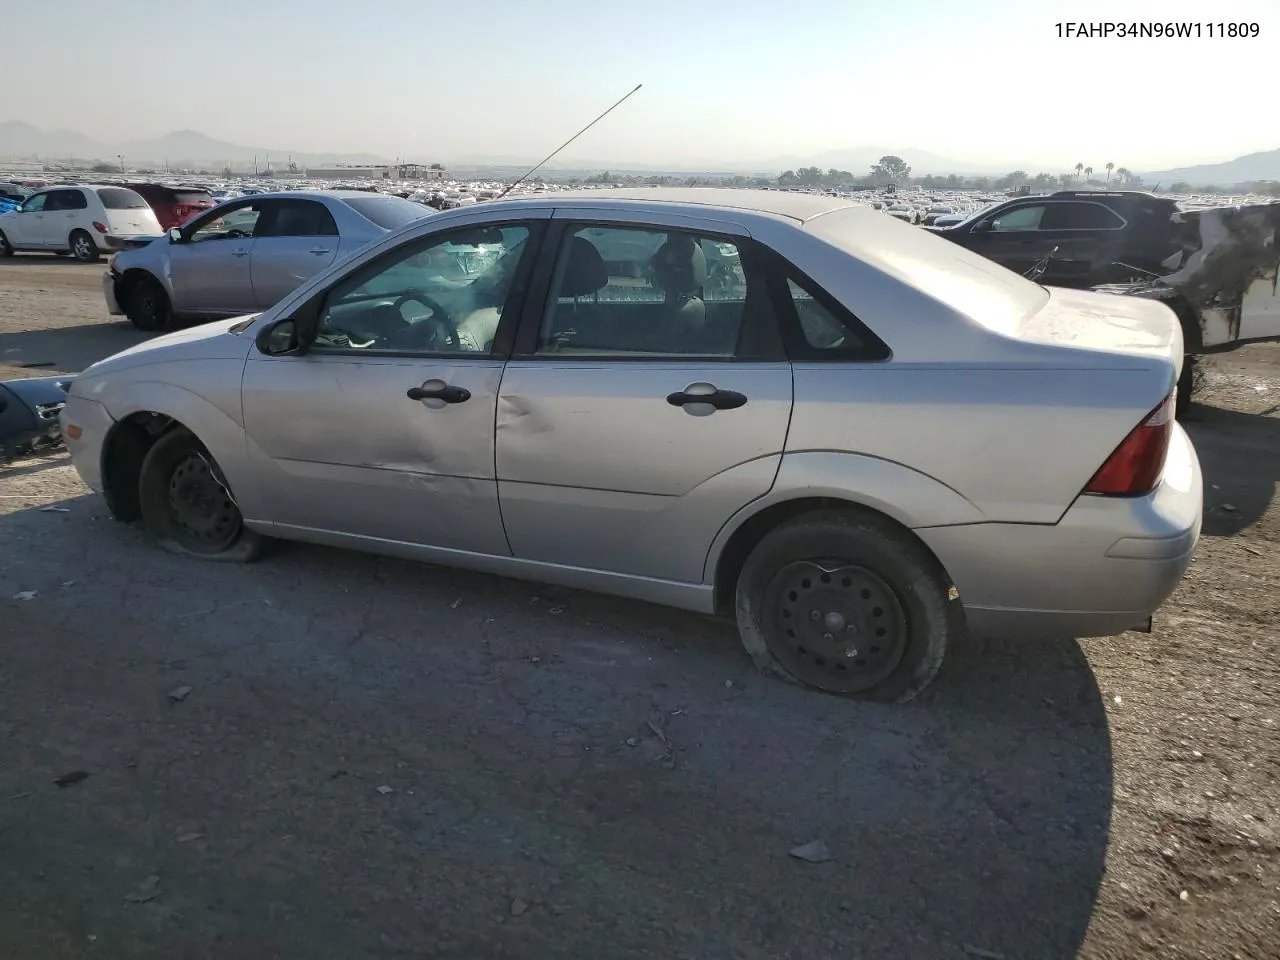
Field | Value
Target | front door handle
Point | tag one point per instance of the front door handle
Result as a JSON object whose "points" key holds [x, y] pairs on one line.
{"points": [[319, 251], [707, 393], [445, 392], [240, 253]]}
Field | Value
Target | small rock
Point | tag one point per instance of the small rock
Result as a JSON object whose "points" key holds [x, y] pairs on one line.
{"points": [[75, 776], [1184, 896], [178, 694], [814, 852], [148, 889], [188, 837], [456, 604], [728, 684], [535, 659], [1117, 700], [1167, 853], [1229, 508], [632, 741], [518, 907], [384, 790]]}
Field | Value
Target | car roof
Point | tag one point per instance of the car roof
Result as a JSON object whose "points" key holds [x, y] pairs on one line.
{"points": [[793, 206], [314, 194]]}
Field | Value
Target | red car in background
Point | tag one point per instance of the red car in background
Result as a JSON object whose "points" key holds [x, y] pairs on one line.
{"points": [[173, 206]]}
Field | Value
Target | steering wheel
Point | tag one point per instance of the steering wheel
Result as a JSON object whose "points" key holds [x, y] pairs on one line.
{"points": [[412, 335]]}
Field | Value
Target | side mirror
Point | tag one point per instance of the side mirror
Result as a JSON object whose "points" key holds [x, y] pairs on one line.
{"points": [[982, 226], [175, 235], [280, 339]]}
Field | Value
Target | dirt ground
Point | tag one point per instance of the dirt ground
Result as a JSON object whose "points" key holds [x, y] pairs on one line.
{"points": [[380, 759]]}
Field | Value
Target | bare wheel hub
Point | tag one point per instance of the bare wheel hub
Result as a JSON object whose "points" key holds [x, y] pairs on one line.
{"points": [[833, 625], [201, 509]]}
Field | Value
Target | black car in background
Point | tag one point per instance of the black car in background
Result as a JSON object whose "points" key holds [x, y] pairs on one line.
{"points": [[1095, 237]]}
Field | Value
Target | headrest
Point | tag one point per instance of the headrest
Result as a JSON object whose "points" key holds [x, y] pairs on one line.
{"points": [[679, 265], [585, 272]]}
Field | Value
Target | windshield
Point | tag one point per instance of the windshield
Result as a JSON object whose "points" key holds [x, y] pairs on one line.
{"points": [[390, 213], [116, 198]]}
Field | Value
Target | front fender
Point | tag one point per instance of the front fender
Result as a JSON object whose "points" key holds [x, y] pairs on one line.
{"points": [[221, 432], [908, 496]]}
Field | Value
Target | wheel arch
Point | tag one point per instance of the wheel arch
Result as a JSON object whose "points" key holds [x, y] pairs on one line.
{"points": [[752, 529], [123, 450]]}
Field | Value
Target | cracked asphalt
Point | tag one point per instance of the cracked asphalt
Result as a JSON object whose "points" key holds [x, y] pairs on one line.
{"points": [[380, 759]]}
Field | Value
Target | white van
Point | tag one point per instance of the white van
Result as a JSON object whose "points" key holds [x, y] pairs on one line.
{"points": [[85, 221]]}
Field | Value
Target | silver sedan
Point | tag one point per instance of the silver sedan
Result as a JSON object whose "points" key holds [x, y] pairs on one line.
{"points": [[246, 254], [858, 440]]}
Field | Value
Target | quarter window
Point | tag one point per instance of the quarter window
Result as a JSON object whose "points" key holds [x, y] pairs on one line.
{"points": [[822, 329], [444, 294], [640, 292]]}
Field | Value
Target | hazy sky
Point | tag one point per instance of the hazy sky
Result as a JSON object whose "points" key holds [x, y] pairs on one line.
{"points": [[974, 80]]}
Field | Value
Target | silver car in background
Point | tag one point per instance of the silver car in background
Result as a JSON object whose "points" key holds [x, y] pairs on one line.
{"points": [[244, 255], [861, 438]]}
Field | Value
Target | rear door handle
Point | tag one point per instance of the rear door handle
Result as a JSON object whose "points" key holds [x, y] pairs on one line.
{"points": [[447, 393], [707, 393], [319, 250]]}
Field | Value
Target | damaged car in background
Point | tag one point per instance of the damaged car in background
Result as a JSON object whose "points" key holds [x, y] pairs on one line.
{"points": [[1215, 268]]}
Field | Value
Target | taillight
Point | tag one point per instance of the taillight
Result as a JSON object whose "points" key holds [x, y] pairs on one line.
{"points": [[100, 227], [1134, 468]]}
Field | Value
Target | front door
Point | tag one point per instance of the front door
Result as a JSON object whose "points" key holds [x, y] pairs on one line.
{"points": [[293, 241], [645, 404], [384, 428], [26, 227], [210, 268]]}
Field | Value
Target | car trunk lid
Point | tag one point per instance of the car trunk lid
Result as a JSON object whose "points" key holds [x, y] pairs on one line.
{"points": [[1128, 326]]}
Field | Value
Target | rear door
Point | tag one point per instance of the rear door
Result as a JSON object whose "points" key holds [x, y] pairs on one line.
{"points": [[209, 269], [648, 398], [294, 240], [64, 211]]}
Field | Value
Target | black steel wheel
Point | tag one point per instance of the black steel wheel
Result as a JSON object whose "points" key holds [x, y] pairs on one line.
{"points": [[186, 503], [145, 303], [846, 626], [83, 248], [849, 603]]}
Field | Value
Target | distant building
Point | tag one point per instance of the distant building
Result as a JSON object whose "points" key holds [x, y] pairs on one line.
{"points": [[400, 171]]}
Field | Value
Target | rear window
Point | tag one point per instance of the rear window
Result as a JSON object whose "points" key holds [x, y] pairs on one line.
{"points": [[387, 212], [966, 282], [192, 196], [116, 198]]}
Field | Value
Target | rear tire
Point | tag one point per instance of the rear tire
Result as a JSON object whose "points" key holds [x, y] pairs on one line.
{"points": [[145, 303], [846, 602], [83, 248], [6, 249], [1187, 383], [186, 505]]}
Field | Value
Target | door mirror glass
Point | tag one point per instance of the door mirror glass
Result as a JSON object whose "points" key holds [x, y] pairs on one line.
{"points": [[175, 235], [280, 338]]}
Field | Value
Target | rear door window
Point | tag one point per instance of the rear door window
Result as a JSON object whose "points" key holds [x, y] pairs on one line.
{"points": [[66, 200], [1080, 216], [117, 198]]}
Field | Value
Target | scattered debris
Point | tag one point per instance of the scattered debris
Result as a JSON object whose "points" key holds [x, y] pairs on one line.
{"points": [[68, 583], [814, 852], [557, 609], [535, 659], [33, 364], [384, 790], [55, 509], [25, 595], [1184, 896], [1254, 550], [178, 694], [456, 604], [1229, 508], [518, 907], [657, 731], [188, 837], [148, 889], [338, 774], [984, 954], [1117, 700], [19, 796], [728, 684], [75, 776], [632, 741]]}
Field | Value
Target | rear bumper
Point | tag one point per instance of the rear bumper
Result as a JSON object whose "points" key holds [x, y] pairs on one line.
{"points": [[1104, 568], [109, 294]]}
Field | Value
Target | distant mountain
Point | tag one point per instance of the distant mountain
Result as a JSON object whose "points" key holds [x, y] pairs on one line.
{"points": [[1247, 169], [20, 140], [859, 160]]}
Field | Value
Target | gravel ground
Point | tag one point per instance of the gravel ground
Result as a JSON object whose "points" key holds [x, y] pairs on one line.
{"points": [[379, 759]]}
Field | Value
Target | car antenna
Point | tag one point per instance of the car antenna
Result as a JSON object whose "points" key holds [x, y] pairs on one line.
{"points": [[538, 166]]}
